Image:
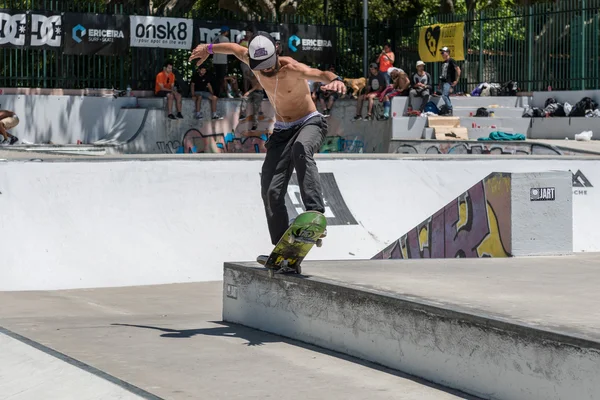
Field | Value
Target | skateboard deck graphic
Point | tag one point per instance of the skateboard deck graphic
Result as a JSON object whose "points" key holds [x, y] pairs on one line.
{"points": [[296, 242]]}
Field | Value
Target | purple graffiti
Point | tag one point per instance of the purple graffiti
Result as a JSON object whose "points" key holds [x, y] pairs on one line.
{"points": [[447, 235]]}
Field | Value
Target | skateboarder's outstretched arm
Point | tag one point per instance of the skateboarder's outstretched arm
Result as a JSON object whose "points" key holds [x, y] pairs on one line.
{"points": [[202, 51], [332, 81]]}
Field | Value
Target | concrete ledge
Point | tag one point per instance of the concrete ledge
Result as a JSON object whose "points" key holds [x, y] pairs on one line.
{"points": [[475, 353]]}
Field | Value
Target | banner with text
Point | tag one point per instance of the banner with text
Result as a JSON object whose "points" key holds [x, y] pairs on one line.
{"points": [[96, 34], [310, 44], [167, 33], [432, 38]]}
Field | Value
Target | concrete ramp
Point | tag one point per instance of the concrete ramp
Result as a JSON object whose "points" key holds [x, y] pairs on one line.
{"points": [[501, 329], [128, 125], [500, 216]]}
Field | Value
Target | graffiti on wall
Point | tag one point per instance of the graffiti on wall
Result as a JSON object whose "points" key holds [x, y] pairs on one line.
{"points": [[476, 224], [458, 147]]}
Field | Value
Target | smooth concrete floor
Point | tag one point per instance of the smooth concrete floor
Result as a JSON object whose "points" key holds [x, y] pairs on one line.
{"points": [[168, 340]]}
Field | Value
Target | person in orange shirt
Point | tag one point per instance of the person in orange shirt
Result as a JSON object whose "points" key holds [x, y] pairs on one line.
{"points": [[386, 61], [164, 86]]}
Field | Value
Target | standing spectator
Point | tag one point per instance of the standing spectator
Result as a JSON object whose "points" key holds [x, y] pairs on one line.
{"points": [[220, 61], [8, 120], [202, 89], [164, 87], [375, 85], [421, 86], [386, 61], [449, 77], [256, 94], [246, 72]]}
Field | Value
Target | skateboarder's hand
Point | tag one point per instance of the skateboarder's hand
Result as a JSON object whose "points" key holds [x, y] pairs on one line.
{"points": [[200, 53], [335, 86]]}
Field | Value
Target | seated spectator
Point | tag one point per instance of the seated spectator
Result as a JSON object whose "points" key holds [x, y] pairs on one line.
{"points": [[375, 86], [256, 94], [8, 120], [164, 87], [202, 89], [422, 85], [326, 96], [400, 87]]}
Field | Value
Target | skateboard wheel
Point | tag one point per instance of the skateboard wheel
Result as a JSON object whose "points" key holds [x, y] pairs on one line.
{"points": [[319, 242], [299, 269]]}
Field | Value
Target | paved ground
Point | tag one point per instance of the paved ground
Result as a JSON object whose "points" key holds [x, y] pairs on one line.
{"points": [[555, 293], [168, 340]]}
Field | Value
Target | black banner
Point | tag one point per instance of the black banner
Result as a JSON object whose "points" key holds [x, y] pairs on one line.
{"points": [[13, 28], [40, 30], [309, 44], [96, 34], [46, 30]]}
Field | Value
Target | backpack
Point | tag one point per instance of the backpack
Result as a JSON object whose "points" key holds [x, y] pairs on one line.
{"points": [[444, 110], [580, 108], [432, 108], [482, 112]]}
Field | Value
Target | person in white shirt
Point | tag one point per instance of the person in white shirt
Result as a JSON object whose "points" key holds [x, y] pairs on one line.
{"points": [[220, 61]]}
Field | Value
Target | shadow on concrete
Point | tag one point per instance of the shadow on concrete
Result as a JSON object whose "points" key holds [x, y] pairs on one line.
{"points": [[255, 337]]}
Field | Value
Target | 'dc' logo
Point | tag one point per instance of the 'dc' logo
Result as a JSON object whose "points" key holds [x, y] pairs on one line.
{"points": [[293, 42]]}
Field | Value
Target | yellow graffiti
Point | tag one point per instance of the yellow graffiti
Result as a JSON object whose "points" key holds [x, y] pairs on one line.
{"points": [[491, 246], [424, 238], [463, 212]]}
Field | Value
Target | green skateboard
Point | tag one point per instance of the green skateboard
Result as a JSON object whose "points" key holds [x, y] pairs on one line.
{"points": [[296, 242]]}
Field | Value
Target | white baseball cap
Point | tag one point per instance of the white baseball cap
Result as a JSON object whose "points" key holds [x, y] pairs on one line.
{"points": [[419, 63], [261, 51]]}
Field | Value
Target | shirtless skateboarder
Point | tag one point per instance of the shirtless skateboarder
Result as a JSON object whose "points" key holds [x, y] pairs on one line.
{"points": [[299, 128]]}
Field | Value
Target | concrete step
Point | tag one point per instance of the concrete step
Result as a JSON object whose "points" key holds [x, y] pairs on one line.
{"points": [[399, 104], [517, 125], [509, 112]]}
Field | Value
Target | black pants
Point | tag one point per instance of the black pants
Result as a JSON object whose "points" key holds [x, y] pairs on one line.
{"points": [[288, 149]]}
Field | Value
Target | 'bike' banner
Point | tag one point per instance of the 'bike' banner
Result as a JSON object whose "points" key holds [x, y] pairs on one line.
{"points": [[167, 33], [313, 45], [13, 29], [100, 34], [432, 38]]}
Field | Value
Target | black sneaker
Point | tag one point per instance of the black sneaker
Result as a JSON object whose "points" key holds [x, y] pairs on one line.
{"points": [[13, 140], [179, 115], [369, 117], [357, 118], [171, 116], [242, 116], [254, 127]]}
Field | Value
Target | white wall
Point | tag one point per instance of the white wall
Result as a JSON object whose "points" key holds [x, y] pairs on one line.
{"points": [[63, 119], [94, 223]]}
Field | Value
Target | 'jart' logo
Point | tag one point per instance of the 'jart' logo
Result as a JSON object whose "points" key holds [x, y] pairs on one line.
{"points": [[293, 43]]}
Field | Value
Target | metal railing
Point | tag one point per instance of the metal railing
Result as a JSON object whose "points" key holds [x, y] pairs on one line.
{"points": [[554, 44]]}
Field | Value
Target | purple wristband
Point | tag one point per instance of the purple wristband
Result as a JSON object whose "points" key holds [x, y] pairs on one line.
{"points": [[209, 48]]}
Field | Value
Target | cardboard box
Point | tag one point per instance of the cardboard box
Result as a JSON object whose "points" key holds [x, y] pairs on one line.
{"points": [[452, 122]]}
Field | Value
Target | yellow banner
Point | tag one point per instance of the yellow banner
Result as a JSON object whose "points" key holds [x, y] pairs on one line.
{"points": [[432, 38]]}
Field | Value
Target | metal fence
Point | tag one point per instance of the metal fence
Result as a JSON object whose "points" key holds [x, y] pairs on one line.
{"points": [[554, 44]]}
